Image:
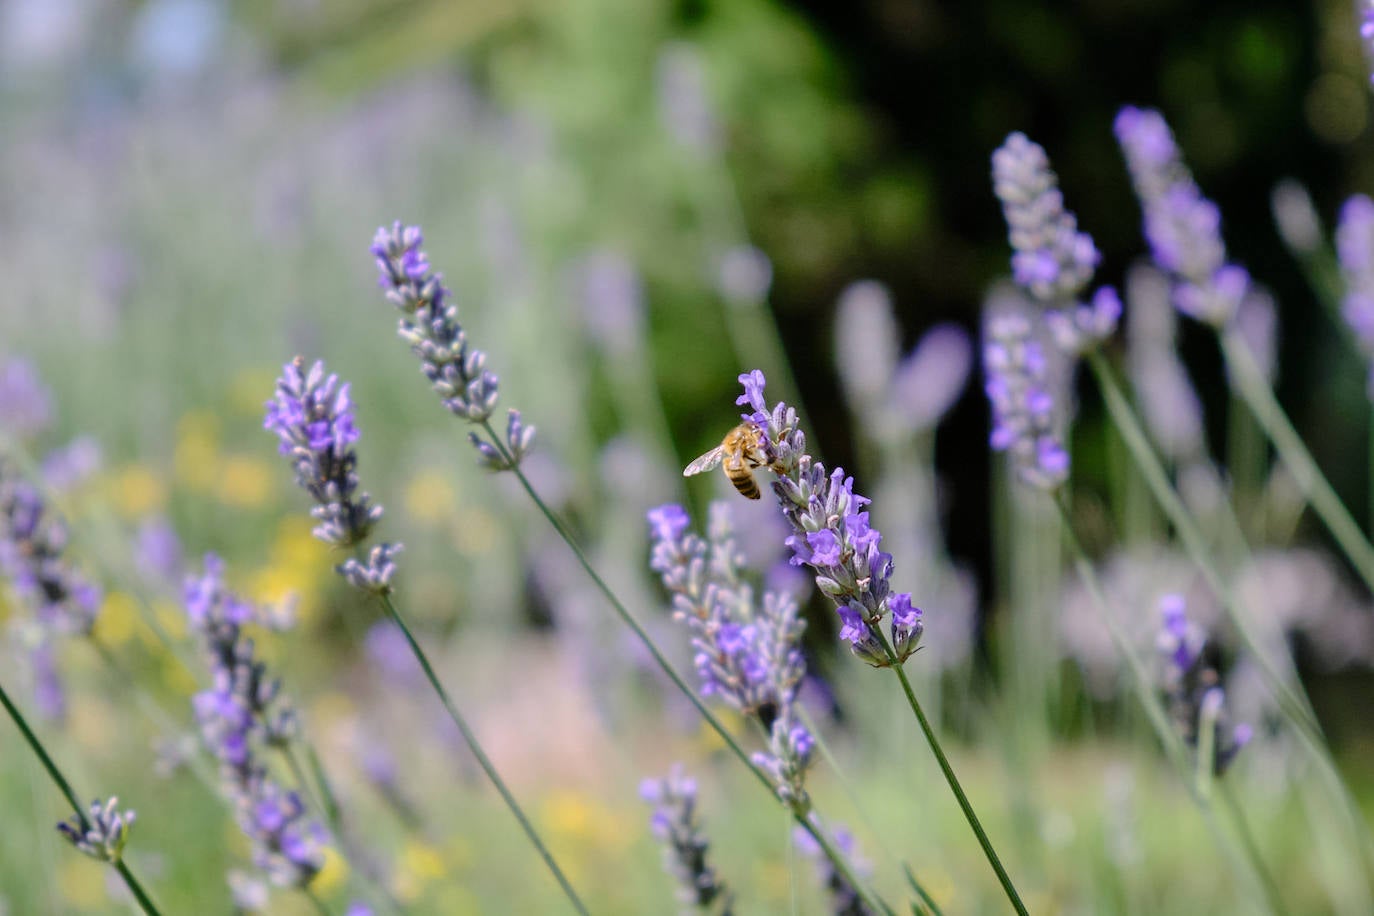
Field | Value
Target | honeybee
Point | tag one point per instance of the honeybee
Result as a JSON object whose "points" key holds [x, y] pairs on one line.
{"points": [[741, 451]]}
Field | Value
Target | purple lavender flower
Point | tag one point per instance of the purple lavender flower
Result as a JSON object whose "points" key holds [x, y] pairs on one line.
{"points": [[33, 545], [243, 713], [71, 465], [1182, 227], [844, 897], [1168, 402], [312, 416], [157, 551], [684, 104], [429, 323], [674, 822], [831, 533], [1296, 217], [1355, 248], [1367, 32], [866, 343], [1024, 420], [25, 402], [748, 656], [1192, 687], [102, 833], [612, 303], [1053, 261]]}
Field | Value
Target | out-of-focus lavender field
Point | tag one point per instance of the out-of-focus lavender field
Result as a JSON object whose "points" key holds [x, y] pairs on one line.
{"points": [[1143, 638]]}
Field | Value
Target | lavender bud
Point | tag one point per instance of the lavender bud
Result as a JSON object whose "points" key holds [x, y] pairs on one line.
{"points": [[102, 833], [613, 303], [1355, 250], [375, 574], [33, 555]]}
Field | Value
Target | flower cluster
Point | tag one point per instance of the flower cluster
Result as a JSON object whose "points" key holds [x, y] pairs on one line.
{"points": [[102, 833], [1192, 687], [844, 897], [832, 535], [1355, 248], [25, 401], [429, 323], [746, 654], [33, 544], [674, 822], [1053, 261], [1024, 420], [239, 716], [312, 416], [1182, 227]]}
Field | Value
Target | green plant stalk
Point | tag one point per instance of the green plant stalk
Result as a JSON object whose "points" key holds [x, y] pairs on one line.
{"points": [[1259, 397], [1249, 856], [1292, 702], [834, 855], [921, 892], [482, 759], [316, 902], [144, 901], [950, 777], [1247, 839]]}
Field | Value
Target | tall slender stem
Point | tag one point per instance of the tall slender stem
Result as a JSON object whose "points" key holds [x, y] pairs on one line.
{"points": [[482, 759], [834, 855], [952, 779], [1249, 381], [1292, 700], [144, 901]]}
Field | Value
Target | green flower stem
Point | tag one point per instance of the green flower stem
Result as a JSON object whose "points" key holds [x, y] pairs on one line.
{"points": [[1291, 700], [482, 759], [834, 855], [950, 777], [316, 902], [144, 901], [1259, 397], [1248, 857]]}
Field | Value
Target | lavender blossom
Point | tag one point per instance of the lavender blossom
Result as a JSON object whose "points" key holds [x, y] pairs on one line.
{"points": [[240, 716], [33, 545], [1024, 421], [683, 99], [102, 833], [1355, 249], [1182, 227], [1053, 261], [1367, 33], [845, 899], [1168, 402], [748, 656], [312, 416], [429, 323], [1192, 687], [71, 465], [675, 823], [1296, 217], [612, 303], [833, 536], [866, 341]]}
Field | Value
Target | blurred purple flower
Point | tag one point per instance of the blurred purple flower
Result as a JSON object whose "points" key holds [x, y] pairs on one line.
{"points": [[683, 101], [68, 467], [613, 302], [25, 402], [674, 822], [744, 275], [928, 382], [1025, 423]]}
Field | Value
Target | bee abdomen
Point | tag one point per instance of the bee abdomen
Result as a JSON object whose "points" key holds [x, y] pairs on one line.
{"points": [[745, 483]]}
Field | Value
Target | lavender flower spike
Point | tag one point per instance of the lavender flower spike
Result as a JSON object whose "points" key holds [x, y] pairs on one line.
{"points": [[675, 823], [832, 535], [844, 897], [312, 416], [1192, 687], [1024, 422], [1182, 227], [240, 716], [748, 656], [1355, 248], [102, 833], [1053, 261], [429, 323]]}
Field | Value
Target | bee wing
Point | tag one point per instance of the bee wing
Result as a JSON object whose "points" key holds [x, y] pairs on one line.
{"points": [[706, 462]]}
